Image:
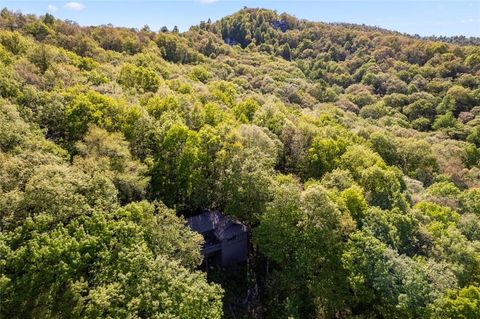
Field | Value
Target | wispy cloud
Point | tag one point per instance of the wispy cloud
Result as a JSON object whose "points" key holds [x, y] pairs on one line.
{"points": [[51, 8], [75, 6]]}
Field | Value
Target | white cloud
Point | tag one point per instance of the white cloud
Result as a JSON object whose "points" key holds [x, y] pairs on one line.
{"points": [[207, 1], [51, 8], [75, 6]]}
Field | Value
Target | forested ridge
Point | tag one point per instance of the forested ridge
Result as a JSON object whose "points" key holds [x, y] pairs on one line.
{"points": [[351, 153]]}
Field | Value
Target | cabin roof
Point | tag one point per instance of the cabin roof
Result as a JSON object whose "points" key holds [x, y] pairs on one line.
{"points": [[229, 228], [223, 226], [205, 221]]}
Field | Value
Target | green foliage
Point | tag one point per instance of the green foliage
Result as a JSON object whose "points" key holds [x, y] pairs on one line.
{"points": [[245, 110], [437, 212], [42, 57], [85, 109], [138, 77], [385, 147], [175, 50], [9, 87], [417, 160], [109, 154], [199, 73], [245, 182], [350, 152], [105, 265], [470, 201], [224, 92], [324, 155], [443, 189], [358, 158], [463, 303], [383, 187], [444, 121], [474, 136], [13, 42], [309, 227], [354, 202], [457, 99], [156, 106], [412, 285], [175, 174], [361, 96]]}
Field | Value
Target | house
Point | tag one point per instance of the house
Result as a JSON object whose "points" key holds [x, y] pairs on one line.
{"points": [[226, 240], [230, 41]]}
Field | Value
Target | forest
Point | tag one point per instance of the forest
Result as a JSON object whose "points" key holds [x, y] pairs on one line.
{"points": [[351, 153]]}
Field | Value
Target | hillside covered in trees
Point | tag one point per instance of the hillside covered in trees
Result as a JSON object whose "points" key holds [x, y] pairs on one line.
{"points": [[352, 154]]}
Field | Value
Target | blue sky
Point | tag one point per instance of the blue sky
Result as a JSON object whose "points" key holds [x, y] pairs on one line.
{"points": [[424, 17]]}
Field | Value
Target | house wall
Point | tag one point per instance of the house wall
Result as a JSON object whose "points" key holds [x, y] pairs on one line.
{"points": [[235, 250]]}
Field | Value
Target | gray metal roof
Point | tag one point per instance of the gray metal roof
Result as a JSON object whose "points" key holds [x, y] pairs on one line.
{"points": [[230, 230], [205, 221], [223, 226]]}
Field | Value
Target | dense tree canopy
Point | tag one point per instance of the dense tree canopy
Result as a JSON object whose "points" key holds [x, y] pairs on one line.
{"points": [[350, 152]]}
